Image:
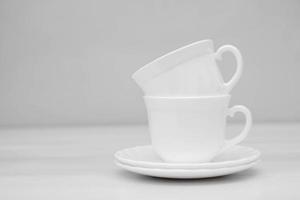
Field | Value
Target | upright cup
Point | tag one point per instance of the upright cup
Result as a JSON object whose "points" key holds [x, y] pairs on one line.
{"points": [[192, 129], [188, 71]]}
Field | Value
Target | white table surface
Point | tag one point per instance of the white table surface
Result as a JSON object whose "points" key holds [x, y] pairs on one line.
{"points": [[77, 163]]}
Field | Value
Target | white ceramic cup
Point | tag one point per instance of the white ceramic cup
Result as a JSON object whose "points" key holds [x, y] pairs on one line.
{"points": [[191, 70], [192, 129]]}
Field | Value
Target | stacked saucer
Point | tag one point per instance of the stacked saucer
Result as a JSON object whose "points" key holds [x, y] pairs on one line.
{"points": [[187, 103], [144, 160]]}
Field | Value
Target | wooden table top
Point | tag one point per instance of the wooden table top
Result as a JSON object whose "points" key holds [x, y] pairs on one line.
{"points": [[77, 163]]}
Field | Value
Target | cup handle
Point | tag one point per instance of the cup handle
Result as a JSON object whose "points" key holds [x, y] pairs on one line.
{"points": [[239, 69], [231, 112]]}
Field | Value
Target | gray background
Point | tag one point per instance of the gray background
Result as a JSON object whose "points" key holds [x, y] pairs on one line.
{"points": [[70, 62]]}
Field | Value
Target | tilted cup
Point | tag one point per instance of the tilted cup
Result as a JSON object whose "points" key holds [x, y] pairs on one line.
{"points": [[188, 71], [192, 129]]}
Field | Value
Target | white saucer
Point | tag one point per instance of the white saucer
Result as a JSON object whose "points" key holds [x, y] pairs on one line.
{"points": [[145, 157], [186, 173]]}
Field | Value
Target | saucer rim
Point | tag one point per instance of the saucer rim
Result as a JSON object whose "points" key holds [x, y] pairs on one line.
{"points": [[187, 173], [207, 165]]}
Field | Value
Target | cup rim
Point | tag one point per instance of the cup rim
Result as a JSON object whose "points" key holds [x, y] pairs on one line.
{"points": [[167, 61], [188, 97]]}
